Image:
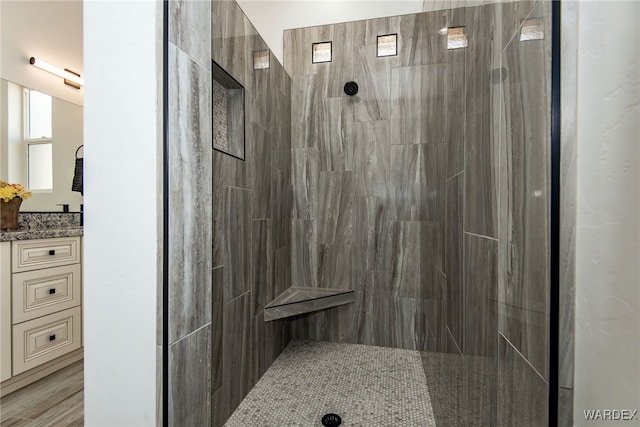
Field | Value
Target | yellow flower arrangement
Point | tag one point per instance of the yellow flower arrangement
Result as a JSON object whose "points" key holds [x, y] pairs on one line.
{"points": [[11, 191]]}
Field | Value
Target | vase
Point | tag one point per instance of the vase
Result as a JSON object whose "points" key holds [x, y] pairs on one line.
{"points": [[9, 213]]}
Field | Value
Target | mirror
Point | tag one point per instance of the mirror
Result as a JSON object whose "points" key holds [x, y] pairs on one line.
{"points": [[39, 136]]}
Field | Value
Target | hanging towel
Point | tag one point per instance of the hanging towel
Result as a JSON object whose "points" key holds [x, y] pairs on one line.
{"points": [[77, 174]]}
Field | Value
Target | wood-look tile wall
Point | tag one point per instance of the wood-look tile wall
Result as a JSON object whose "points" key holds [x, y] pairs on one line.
{"points": [[411, 183], [190, 229], [252, 205], [369, 177], [229, 219], [524, 212]]}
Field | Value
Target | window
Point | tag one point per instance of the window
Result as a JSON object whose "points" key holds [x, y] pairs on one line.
{"points": [[40, 166], [321, 52], [37, 136], [456, 38], [260, 59], [387, 45], [38, 115], [532, 29]]}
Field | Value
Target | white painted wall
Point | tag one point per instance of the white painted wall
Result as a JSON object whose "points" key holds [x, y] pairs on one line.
{"points": [[51, 30], [271, 17], [123, 194], [607, 356]]}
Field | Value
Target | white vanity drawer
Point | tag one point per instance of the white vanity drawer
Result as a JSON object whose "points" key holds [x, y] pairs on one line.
{"points": [[41, 292], [44, 253], [41, 340]]}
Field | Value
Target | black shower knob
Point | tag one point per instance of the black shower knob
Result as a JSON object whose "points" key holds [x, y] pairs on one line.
{"points": [[351, 88]]}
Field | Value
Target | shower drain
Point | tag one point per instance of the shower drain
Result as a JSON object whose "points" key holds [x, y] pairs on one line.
{"points": [[331, 420]]}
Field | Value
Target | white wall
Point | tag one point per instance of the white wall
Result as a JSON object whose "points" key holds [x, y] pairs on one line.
{"points": [[271, 17], [123, 194], [51, 30], [607, 356]]}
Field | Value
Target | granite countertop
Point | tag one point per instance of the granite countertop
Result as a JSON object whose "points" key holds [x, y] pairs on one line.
{"points": [[40, 233]]}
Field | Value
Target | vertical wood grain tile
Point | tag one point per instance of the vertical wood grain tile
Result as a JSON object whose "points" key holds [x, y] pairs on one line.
{"points": [[478, 391], [220, 411], [436, 101], [237, 223], [261, 265], [341, 67], [522, 393], [335, 206], [281, 272], [217, 327], [371, 235], [261, 194], [190, 230], [304, 253], [480, 295], [421, 42], [480, 158], [374, 308], [336, 146], [454, 256], [307, 110], [281, 207], [305, 183], [258, 91], [526, 120], [237, 350], [406, 105], [372, 158], [457, 110], [373, 76], [190, 379], [188, 20], [334, 266], [406, 259]]}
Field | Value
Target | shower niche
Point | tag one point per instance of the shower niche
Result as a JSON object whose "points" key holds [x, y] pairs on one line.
{"points": [[228, 113]]}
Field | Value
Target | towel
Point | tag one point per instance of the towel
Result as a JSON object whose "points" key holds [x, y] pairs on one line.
{"points": [[77, 174]]}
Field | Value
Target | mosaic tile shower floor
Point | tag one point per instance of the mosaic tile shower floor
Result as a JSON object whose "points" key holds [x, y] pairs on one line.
{"points": [[365, 385]]}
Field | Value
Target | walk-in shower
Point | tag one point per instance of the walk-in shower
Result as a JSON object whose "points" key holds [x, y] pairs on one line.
{"points": [[381, 250]]}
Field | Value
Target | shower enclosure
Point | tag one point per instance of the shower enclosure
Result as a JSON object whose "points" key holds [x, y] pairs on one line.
{"points": [[427, 193]]}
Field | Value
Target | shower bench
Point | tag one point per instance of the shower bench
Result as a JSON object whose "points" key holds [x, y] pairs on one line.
{"points": [[301, 299]]}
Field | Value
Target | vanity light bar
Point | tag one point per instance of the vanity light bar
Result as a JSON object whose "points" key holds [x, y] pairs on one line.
{"points": [[70, 78]]}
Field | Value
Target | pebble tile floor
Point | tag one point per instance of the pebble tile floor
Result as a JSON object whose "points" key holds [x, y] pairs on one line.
{"points": [[365, 385]]}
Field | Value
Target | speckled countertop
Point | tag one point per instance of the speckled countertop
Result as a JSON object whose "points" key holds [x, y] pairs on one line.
{"points": [[45, 225], [46, 233]]}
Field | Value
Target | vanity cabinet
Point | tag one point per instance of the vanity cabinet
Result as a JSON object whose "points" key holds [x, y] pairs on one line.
{"points": [[45, 303], [5, 311]]}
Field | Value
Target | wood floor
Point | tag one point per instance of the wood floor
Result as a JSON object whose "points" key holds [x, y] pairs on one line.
{"points": [[56, 400]]}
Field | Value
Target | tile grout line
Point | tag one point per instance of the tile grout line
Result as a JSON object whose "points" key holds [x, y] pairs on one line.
{"points": [[190, 333], [454, 340], [481, 236], [523, 358], [450, 178]]}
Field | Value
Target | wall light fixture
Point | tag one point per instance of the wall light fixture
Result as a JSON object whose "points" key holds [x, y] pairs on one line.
{"points": [[71, 78]]}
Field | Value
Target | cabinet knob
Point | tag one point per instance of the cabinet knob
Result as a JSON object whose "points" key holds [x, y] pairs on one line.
{"points": [[52, 337], [52, 252], [52, 291]]}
